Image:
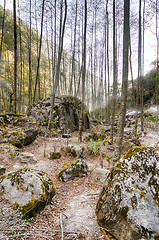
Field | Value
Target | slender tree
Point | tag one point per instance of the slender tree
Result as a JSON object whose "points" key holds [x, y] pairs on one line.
{"points": [[83, 74], [39, 55], [30, 68], [123, 101], [157, 77], [114, 73], [60, 50], [15, 56]]}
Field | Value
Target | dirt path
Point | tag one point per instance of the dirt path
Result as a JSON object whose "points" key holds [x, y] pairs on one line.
{"points": [[72, 210]]}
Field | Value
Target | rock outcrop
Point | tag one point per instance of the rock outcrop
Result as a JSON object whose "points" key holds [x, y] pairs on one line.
{"points": [[128, 207], [17, 129], [65, 116], [27, 190]]}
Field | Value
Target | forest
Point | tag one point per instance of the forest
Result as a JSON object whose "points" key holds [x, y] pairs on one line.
{"points": [[86, 73]]}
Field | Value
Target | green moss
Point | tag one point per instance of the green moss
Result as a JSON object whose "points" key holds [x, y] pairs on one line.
{"points": [[55, 155], [75, 169], [134, 150], [156, 236]]}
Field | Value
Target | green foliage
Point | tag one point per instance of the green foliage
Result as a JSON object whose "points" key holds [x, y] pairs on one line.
{"points": [[55, 121], [149, 86], [95, 146]]}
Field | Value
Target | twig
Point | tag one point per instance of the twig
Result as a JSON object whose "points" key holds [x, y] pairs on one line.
{"points": [[61, 225], [25, 235], [41, 230]]}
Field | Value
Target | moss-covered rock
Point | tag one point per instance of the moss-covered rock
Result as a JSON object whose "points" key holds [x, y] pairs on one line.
{"points": [[17, 129], [66, 111], [9, 148], [77, 168], [27, 190], [128, 206], [75, 150], [55, 155]]}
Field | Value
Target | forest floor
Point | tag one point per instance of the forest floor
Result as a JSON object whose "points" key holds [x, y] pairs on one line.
{"points": [[71, 213]]}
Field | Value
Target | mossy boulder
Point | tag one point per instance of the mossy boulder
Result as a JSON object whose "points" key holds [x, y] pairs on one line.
{"points": [[66, 113], [77, 168], [27, 190], [75, 150], [10, 149], [17, 129], [128, 206]]}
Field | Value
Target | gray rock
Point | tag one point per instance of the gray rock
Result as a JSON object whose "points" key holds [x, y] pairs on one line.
{"points": [[9, 148], [66, 108], [26, 157], [27, 190], [128, 207], [76, 150], [18, 129], [77, 168], [99, 175]]}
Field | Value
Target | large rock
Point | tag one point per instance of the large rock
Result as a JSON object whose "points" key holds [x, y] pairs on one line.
{"points": [[17, 129], [128, 206], [27, 190], [66, 108]]}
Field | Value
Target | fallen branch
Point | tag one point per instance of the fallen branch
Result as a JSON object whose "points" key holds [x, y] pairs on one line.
{"points": [[25, 235], [61, 225], [34, 229]]}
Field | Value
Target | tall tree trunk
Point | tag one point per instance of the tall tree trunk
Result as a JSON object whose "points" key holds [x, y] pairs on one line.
{"points": [[60, 50], [122, 112], [37, 81], [15, 56], [140, 69], [157, 77], [139, 86], [114, 73], [73, 54], [30, 68], [83, 74], [108, 106], [48, 51], [21, 64], [1, 45], [3, 20]]}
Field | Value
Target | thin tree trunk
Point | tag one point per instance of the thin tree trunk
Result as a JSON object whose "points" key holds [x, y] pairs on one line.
{"points": [[15, 57], [48, 52], [39, 56], [114, 74], [157, 77], [21, 71], [30, 68], [83, 74], [73, 55], [122, 112], [1, 45], [61, 38], [139, 97]]}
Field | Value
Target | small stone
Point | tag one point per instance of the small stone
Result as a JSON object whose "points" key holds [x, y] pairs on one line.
{"points": [[55, 155], [26, 157], [66, 136], [2, 170]]}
